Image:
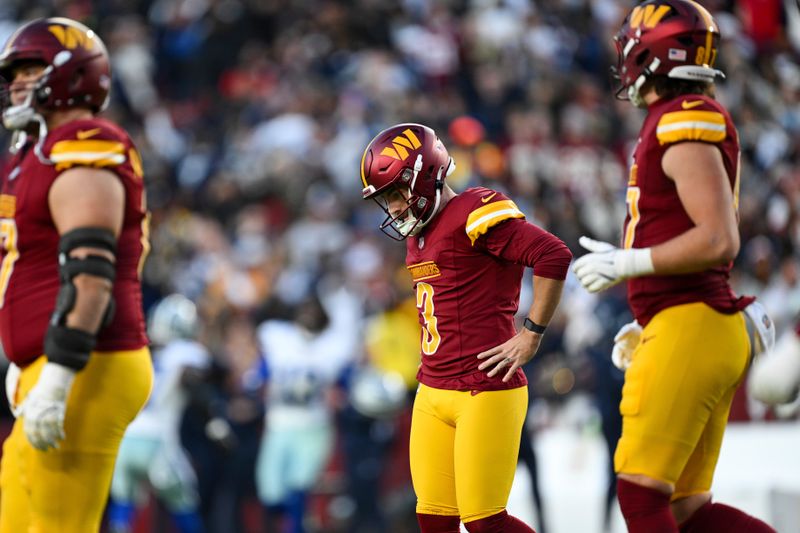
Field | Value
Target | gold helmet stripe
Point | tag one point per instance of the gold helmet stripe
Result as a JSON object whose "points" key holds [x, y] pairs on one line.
{"points": [[363, 157], [712, 27]]}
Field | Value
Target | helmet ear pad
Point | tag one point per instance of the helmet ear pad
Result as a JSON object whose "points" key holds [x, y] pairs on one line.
{"points": [[41, 95]]}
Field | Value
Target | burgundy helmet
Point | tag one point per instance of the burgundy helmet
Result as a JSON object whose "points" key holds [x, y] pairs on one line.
{"points": [[674, 38], [406, 157], [77, 73]]}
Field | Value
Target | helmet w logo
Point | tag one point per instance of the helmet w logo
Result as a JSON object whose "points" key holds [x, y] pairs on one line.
{"points": [[70, 38], [398, 150], [648, 16]]}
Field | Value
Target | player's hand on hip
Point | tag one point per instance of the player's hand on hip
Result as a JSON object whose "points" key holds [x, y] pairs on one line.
{"points": [[607, 265], [510, 355], [45, 407], [625, 342], [775, 376]]}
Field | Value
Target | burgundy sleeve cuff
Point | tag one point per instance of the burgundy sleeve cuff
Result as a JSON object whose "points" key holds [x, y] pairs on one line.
{"points": [[523, 243], [555, 262]]}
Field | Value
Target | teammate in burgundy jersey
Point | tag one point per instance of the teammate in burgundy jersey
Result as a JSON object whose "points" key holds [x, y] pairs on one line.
{"points": [[73, 224], [466, 254], [688, 349], [661, 214], [30, 282]]}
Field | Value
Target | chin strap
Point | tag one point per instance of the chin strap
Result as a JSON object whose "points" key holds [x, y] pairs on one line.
{"points": [[18, 140], [439, 185], [17, 121], [37, 148], [634, 91], [17, 118], [412, 226]]}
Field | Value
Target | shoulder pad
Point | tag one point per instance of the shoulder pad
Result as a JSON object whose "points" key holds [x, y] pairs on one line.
{"points": [[92, 143], [692, 118], [488, 208]]}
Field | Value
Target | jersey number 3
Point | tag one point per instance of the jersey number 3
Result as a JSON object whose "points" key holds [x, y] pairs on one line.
{"points": [[430, 335]]}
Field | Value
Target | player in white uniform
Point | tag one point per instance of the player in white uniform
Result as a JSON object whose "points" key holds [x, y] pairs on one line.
{"points": [[305, 357], [151, 453]]}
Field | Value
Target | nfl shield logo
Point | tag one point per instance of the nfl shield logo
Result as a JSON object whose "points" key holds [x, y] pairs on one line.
{"points": [[421, 242], [676, 54]]}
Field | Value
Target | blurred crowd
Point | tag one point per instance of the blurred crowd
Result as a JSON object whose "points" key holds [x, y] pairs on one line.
{"points": [[251, 117]]}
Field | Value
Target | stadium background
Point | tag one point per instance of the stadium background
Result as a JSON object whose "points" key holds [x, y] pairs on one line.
{"points": [[251, 117]]}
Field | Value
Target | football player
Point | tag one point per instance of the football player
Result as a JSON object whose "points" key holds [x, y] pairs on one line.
{"points": [[680, 237], [151, 452], [466, 254], [73, 224], [304, 359]]}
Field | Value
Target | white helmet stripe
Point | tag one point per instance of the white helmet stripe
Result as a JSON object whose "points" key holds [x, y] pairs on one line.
{"points": [[417, 168], [628, 47]]}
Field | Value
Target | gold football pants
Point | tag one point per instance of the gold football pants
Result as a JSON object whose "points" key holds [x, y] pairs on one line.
{"points": [[464, 450], [678, 393], [65, 490]]}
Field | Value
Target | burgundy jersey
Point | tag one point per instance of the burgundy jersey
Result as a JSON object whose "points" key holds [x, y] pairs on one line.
{"points": [[29, 273], [467, 270], [655, 212]]}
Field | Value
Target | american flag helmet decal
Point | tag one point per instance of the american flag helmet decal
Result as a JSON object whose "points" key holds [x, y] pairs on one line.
{"points": [[676, 54]]}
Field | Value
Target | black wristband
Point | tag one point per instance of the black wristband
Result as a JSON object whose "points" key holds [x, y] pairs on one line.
{"points": [[69, 347], [533, 326]]}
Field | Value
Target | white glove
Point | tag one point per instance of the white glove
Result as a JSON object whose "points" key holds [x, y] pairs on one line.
{"points": [[775, 376], [625, 342], [761, 328], [45, 406], [607, 265], [219, 431], [12, 382]]}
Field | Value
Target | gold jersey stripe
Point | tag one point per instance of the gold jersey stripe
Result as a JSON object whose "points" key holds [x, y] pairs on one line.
{"points": [[136, 163], [691, 132], [483, 218], [87, 146], [708, 126], [94, 152]]}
